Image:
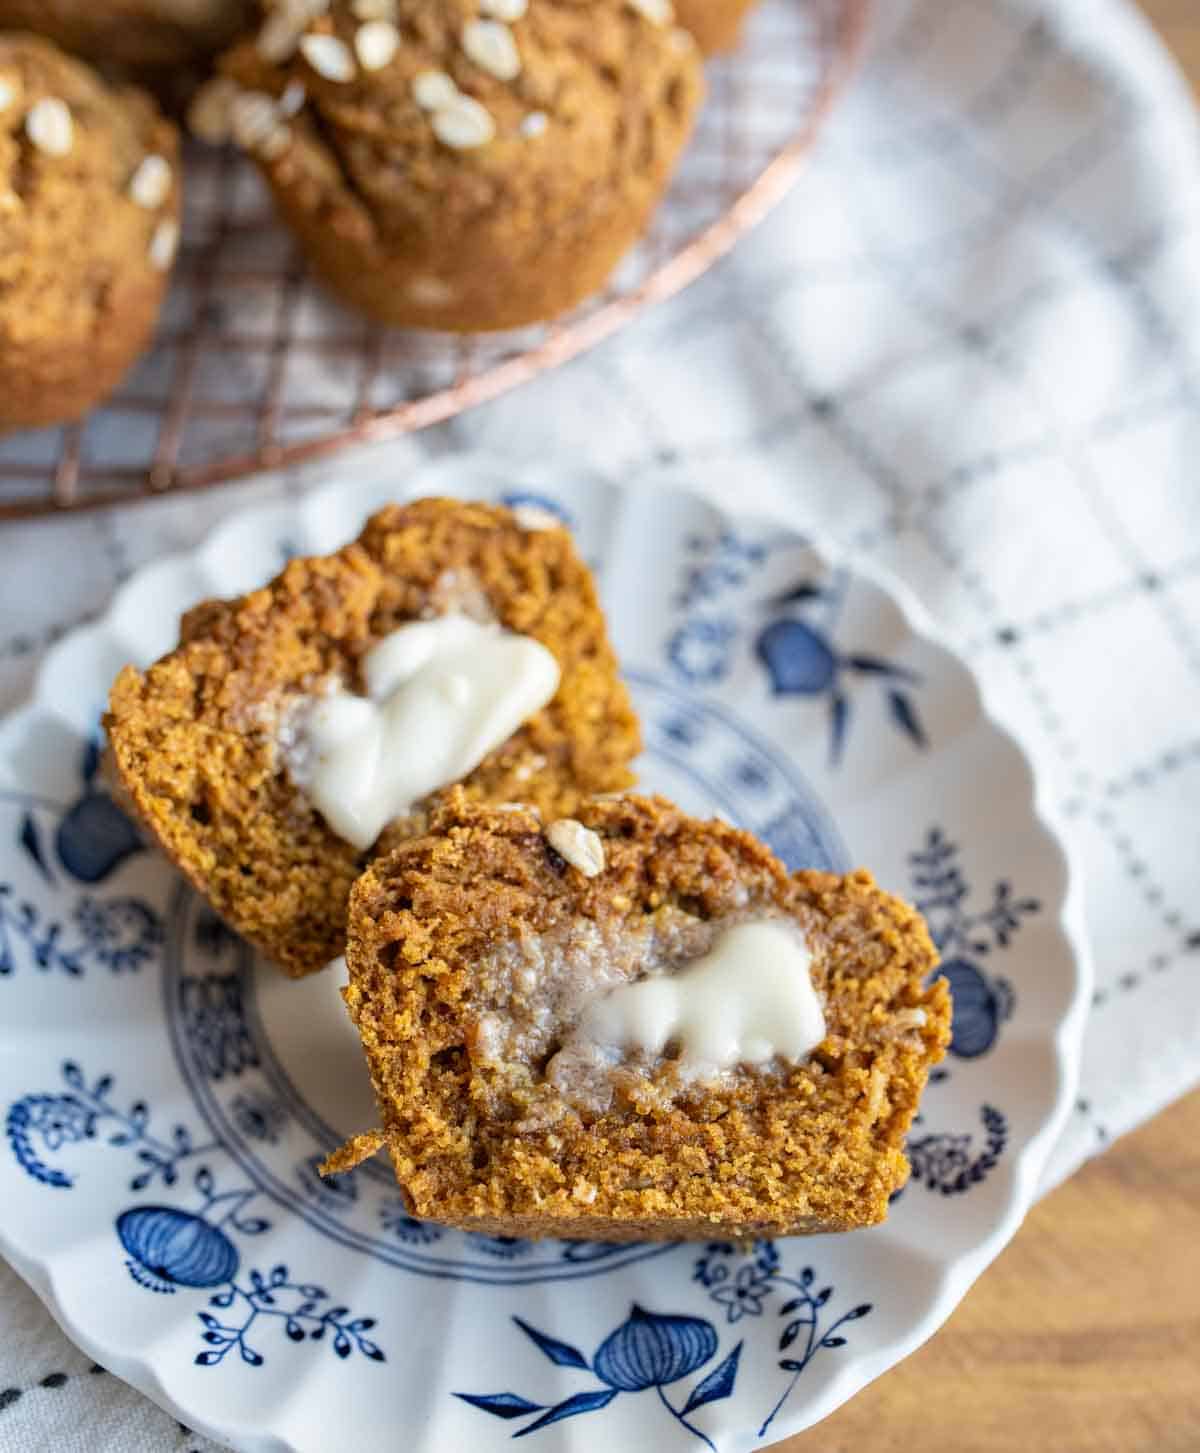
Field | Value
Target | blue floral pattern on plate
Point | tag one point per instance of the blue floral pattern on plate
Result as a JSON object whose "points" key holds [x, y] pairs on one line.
{"points": [[188, 1151]]}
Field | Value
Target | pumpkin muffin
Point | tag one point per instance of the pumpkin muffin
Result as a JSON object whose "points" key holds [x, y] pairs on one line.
{"points": [[147, 40], [213, 743], [462, 164], [716, 24], [89, 225], [488, 960]]}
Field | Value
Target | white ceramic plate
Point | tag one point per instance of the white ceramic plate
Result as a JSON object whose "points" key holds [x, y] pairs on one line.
{"points": [[167, 1100]]}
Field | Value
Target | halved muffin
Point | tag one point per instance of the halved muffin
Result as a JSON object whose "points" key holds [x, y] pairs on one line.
{"points": [[219, 744], [636, 1025]]}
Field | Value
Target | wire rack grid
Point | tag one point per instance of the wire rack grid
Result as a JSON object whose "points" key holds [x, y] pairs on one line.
{"points": [[252, 366]]}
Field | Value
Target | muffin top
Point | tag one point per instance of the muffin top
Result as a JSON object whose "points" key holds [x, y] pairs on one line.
{"points": [[89, 196], [391, 115], [145, 35]]}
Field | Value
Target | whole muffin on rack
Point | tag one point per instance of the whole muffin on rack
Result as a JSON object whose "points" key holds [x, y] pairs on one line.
{"points": [[89, 226], [147, 39], [716, 24], [462, 164]]}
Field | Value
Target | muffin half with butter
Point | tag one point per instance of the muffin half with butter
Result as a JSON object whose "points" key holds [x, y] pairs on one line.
{"points": [[89, 226], [297, 731], [461, 164], [634, 1025]]}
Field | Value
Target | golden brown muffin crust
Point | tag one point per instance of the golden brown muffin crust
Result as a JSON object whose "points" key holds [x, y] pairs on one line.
{"points": [[143, 37], [819, 1149], [193, 737], [422, 233], [716, 24], [79, 285]]}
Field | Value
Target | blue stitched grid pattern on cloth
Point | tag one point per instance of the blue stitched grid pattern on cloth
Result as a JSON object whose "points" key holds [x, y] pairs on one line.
{"points": [[966, 346]]}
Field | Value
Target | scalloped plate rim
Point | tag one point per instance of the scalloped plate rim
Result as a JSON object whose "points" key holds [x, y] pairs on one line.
{"points": [[1029, 1160]]}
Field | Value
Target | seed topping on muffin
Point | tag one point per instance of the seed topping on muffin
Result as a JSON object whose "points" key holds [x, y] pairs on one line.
{"points": [[150, 185], [49, 126]]}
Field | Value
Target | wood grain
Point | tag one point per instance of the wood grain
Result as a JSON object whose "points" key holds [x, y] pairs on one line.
{"points": [[1178, 22], [1083, 1337]]}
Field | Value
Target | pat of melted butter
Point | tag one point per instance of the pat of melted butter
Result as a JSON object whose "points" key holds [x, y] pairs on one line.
{"points": [[748, 1000], [441, 695]]}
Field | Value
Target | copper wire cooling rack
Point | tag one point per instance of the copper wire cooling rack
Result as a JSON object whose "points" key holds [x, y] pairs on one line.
{"points": [[253, 367]]}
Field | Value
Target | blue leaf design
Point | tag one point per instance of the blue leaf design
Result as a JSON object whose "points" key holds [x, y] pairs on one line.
{"points": [[207, 1359], [792, 1331], [250, 1356], [833, 1342], [369, 1349], [501, 1404], [807, 1276], [798, 593], [582, 1402], [32, 843], [278, 1275], [877, 666], [89, 763], [255, 1226], [839, 712], [72, 1074], [791, 1306], [859, 1311], [561, 1353], [716, 1385], [823, 1296], [904, 714]]}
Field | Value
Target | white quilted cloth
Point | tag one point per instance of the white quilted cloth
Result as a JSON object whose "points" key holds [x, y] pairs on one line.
{"points": [[967, 345]]}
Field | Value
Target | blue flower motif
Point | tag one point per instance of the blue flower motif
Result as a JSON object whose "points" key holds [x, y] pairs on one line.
{"points": [[258, 1118], [945, 1162], [653, 1351], [61, 1120], [744, 1296], [394, 1217], [120, 933], [504, 1247], [751, 775], [169, 1248], [802, 660], [94, 836], [982, 1001], [728, 563], [685, 730], [648, 1350], [214, 1020], [701, 650]]}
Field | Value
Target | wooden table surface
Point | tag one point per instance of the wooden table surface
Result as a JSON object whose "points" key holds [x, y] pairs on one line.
{"points": [[1084, 1337]]}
